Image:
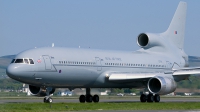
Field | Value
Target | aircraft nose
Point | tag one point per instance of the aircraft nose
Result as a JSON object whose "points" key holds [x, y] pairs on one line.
{"points": [[12, 71]]}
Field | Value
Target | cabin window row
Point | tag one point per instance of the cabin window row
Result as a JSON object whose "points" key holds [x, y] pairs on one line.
{"points": [[157, 66], [77, 63], [128, 64], [124, 64]]}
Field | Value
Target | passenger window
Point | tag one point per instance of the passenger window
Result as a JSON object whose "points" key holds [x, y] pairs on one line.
{"points": [[13, 61], [26, 61], [19, 61], [31, 61]]}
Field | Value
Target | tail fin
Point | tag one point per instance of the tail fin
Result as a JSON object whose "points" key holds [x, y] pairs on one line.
{"points": [[176, 29]]}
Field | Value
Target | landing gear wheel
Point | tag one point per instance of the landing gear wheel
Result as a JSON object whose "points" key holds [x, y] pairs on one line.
{"points": [[143, 98], [48, 100], [157, 98], [45, 101], [89, 98], [82, 99], [95, 98], [150, 98]]}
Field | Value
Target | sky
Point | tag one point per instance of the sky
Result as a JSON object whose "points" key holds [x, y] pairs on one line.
{"points": [[96, 24]]}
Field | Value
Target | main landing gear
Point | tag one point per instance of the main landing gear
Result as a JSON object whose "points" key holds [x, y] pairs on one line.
{"points": [[88, 97], [150, 98]]}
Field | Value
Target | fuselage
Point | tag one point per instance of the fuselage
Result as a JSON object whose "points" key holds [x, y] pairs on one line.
{"points": [[79, 68]]}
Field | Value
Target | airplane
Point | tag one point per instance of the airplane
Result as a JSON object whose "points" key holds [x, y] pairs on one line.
{"points": [[157, 66]]}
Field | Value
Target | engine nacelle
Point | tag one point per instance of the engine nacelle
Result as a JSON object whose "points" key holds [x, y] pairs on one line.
{"points": [[161, 85], [147, 40], [38, 91]]}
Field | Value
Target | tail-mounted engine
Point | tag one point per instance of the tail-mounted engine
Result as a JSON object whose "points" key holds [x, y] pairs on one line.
{"points": [[38, 91], [161, 85], [148, 40]]}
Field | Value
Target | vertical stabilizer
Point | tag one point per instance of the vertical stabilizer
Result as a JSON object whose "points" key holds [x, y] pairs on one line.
{"points": [[176, 29]]}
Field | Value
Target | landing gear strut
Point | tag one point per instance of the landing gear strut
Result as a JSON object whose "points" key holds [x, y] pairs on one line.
{"points": [[150, 98], [88, 97]]}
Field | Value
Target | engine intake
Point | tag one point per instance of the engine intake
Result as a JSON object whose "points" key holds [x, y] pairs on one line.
{"points": [[143, 40], [148, 40], [161, 85], [38, 91]]}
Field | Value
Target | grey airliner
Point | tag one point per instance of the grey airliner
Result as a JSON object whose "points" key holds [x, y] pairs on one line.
{"points": [[157, 66]]}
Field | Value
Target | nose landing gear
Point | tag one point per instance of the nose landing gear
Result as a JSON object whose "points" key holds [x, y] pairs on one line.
{"points": [[47, 98]]}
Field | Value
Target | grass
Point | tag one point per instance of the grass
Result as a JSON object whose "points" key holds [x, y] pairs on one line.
{"points": [[45, 107]]}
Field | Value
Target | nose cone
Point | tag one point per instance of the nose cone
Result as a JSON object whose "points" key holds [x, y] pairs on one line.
{"points": [[20, 72], [12, 71]]}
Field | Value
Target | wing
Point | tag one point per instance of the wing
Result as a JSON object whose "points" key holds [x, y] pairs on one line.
{"points": [[116, 76], [186, 71], [130, 76]]}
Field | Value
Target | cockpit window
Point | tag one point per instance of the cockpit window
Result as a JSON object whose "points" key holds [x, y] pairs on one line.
{"points": [[19, 61], [31, 61], [13, 61], [26, 61]]}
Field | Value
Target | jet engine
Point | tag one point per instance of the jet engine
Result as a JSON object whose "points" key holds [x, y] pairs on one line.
{"points": [[147, 40], [161, 85], [38, 91]]}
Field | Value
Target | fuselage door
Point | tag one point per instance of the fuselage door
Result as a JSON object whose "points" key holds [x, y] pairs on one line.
{"points": [[47, 61], [98, 63]]}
